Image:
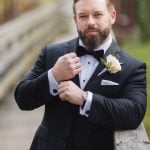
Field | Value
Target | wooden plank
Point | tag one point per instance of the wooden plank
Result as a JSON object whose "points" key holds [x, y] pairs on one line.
{"points": [[16, 29], [132, 139], [22, 33]]}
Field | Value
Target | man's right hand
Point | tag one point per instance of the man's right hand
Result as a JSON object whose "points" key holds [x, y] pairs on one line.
{"points": [[66, 67]]}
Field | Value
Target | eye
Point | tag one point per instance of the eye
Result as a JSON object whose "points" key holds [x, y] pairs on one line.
{"points": [[98, 15], [83, 16]]}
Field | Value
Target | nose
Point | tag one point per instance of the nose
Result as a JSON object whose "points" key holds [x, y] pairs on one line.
{"points": [[91, 21]]}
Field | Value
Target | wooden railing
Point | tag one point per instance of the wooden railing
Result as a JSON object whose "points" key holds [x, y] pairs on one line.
{"points": [[132, 139], [22, 38]]}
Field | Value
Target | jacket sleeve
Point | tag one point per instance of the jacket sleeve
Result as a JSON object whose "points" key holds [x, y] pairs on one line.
{"points": [[33, 90], [126, 111]]}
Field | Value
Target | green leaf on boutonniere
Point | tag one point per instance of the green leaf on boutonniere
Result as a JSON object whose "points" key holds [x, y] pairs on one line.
{"points": [[102, 61]]}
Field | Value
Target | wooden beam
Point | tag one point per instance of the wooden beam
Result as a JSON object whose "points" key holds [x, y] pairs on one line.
{"points": [[132, 139]]}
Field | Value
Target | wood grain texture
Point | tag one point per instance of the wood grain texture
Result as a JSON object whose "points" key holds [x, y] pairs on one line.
{"points": [[132, 139]]}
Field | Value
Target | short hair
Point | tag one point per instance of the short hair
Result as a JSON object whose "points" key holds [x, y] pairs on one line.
{"points": [[110, 4]]}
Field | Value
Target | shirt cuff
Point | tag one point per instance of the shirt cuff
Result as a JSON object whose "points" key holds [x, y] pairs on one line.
{"points": [[53, 85], [87, 106]]}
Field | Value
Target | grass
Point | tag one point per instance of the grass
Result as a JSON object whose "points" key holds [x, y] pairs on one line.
{"points": [[141, 51]]}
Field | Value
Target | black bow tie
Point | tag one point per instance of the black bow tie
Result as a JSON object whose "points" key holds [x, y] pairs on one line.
{"points": [[81, 51]]}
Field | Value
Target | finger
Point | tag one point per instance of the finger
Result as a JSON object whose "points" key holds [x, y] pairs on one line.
{"points": [[77, 65], [64, 94], [71, 55], [63, 84], [69, 59], [60, 91], [61, 96], [76, 60], [62, 87], [77, 70]]}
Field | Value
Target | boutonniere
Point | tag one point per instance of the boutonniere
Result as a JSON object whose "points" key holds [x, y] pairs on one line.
{"points": [[111, 63]]}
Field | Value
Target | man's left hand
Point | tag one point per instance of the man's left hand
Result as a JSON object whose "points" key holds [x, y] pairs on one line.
{"points": [[69, 91]]}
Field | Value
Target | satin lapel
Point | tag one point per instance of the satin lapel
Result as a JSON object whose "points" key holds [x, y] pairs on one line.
{"points": [[101, 70], [113, 49], [71, 46]]}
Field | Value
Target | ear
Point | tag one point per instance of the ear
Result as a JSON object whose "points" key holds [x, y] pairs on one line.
{"points": [[113, 16]]}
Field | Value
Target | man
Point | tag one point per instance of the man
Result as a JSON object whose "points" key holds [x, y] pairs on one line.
{"points": [[86, 97]]}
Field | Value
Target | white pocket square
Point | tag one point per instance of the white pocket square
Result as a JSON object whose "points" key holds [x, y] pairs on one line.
{"points": [[108, 82]]}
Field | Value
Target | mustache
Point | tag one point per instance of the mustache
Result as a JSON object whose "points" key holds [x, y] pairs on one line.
{"points": [[91, 28]]}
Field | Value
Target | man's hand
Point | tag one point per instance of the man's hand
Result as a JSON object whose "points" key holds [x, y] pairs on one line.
{"points": [[66, 67], [69, 91]]}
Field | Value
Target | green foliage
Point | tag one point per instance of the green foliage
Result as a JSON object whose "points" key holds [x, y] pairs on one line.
{"points": [[141, 52], [143, 17]]}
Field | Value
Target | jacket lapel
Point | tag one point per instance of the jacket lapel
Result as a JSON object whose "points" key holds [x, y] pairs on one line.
{"points": [[71, 46], [113, 49]]}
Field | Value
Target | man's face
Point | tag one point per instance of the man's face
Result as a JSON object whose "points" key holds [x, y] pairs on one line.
{"points": [[93, 20]]}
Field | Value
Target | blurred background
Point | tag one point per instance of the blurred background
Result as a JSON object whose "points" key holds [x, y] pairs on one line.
{"points": [[26, 26]]}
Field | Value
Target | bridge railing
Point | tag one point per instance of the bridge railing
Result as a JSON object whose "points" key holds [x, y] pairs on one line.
{"points": [[22, 38], [132, 139]]}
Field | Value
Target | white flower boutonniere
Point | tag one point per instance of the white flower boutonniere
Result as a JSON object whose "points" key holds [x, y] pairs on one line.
{"points": [[112, 64]]}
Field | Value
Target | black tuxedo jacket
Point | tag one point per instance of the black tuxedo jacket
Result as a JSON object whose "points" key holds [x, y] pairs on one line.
{"points": [[114, 107]]}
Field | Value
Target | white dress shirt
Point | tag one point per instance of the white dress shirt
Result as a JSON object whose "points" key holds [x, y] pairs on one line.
{"points": [[88, 65]]}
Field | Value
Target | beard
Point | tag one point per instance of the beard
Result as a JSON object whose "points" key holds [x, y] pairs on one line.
{"points": [[93, 41]]}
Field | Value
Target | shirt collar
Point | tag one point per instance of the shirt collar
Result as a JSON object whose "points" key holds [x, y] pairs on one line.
{"points": [[104, 46]]}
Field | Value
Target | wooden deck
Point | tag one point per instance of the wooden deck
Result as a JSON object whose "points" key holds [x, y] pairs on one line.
{"points": [[17, 127]]}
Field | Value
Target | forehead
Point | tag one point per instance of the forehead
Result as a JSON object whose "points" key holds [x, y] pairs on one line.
{"points": [[90, 5]]}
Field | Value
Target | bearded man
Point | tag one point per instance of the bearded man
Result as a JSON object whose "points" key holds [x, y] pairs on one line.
{"points": [[89, 86]]}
